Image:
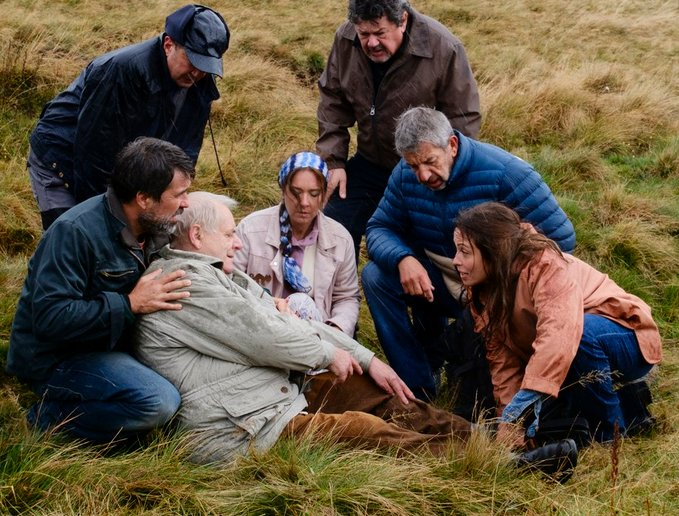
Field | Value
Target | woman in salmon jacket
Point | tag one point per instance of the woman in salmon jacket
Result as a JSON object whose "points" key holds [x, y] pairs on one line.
{"points": [[554, 326]]}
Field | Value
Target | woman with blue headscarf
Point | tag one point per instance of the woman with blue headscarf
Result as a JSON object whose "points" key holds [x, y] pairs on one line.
{"points": [[297, 253]]}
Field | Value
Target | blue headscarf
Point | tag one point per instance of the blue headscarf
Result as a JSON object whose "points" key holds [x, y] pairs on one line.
{"points": [[292, 273]]}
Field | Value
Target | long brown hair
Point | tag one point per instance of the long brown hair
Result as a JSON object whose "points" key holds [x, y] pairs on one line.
{"points": [[506, 246]]}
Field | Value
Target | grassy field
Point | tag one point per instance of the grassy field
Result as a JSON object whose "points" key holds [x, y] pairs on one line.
{"points": [[586, 91]]}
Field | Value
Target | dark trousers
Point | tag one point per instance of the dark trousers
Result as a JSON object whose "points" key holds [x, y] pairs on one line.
{"points": [[365, 186], [409, 328], [608, 356]]}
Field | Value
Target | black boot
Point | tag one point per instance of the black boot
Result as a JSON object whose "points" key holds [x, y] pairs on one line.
{"points": [[634, 401], [557, 459]]}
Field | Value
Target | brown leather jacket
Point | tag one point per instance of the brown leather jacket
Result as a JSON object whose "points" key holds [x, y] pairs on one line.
{"points": [[432, 70], [552, 294]]}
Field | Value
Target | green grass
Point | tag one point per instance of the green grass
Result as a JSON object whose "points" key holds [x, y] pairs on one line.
{"points": [[586, 91]]}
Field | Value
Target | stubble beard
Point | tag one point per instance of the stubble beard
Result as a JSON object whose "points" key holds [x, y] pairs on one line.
{"points": [[152, 225]]}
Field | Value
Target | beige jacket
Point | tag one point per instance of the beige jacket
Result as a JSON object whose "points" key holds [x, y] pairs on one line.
{"points": [[335, 280], [229, 352], [552, 295]]}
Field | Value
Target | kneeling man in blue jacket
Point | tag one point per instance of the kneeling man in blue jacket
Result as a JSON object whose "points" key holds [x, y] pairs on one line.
{"points": [[410, 284]]}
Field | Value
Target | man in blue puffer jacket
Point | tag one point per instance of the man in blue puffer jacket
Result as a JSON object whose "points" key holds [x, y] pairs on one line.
{"points": [[410, 235]]}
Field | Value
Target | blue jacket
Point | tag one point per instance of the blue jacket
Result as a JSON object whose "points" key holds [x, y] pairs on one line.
{"points": [[411, 217], [74, 297], [119, 96]]}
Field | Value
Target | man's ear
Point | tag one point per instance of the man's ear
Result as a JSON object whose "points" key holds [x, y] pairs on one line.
{"points": [[454, 143], [143, 200], [167, 45], [195, 235], [404, 21]]}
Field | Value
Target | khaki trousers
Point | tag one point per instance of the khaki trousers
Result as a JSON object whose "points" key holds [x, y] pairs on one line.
{"points": [[361, 413]]}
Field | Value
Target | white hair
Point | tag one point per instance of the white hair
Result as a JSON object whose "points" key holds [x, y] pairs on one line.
{"points": [[202, 211]]}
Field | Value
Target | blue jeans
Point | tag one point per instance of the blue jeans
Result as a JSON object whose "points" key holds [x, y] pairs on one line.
{"points": [[103, 396], [608, 355], [412, 347]]}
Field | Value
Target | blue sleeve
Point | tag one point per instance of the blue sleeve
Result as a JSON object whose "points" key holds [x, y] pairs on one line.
{"points": [[525, 191], [518, 406], [384, 242]]}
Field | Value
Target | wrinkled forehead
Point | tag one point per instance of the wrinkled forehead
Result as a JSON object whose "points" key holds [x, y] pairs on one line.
{"points": [[374, 25]]}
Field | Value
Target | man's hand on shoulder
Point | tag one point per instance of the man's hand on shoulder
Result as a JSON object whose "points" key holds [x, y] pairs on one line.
{"points": [[343, 365], [338, 178], [389, 381], [414, 278], [157, 291]]}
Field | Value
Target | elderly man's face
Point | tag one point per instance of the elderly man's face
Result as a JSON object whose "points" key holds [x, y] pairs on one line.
{"points": [[161, 216], [432, 164], [222, 243], [381, 38], [183, 73]]}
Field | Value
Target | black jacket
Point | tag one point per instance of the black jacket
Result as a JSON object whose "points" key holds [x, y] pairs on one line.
{"points": [[119, 96], [73, 299]]}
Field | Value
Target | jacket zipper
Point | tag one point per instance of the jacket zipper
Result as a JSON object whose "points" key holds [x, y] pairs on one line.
{"points": [[143, 265], [107, 274]]}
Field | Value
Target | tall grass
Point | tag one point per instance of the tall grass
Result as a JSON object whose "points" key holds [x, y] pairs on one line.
{"points": [[586, 91]]}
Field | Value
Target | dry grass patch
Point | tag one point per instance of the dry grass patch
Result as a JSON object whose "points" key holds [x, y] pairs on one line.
{"points": [[587, 91]]}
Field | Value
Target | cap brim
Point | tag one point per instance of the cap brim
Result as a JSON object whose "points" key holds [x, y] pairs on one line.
{"points": [[207, 64]]}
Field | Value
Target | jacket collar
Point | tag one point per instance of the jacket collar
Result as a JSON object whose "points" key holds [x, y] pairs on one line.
{"points": [[115, 208], [463, 158], [169, 253], [120, 225]]}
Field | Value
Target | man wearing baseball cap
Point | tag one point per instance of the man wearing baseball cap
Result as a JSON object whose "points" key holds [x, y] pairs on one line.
{"points": [[162, 87]]}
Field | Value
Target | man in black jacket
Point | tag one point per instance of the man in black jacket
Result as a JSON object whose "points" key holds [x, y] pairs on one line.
{"points": [[162, 87], [83, 292]]}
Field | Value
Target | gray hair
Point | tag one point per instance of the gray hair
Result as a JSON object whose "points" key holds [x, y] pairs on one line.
{"points": [[202, 210], [370, 10], [421, 124]]}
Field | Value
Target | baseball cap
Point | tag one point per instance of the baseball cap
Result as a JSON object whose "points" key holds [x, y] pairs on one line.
{"points": [[204, 35]]}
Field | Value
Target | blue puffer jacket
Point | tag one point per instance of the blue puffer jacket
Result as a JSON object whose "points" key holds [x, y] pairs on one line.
{"points": [[73, 299], [411, 217], [119, 96]]}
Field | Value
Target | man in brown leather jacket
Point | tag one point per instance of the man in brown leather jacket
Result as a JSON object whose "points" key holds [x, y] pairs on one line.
{"points": [[386, 58]]}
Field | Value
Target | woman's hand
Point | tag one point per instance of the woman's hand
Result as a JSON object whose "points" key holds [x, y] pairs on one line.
{"points": [[511, 435]]}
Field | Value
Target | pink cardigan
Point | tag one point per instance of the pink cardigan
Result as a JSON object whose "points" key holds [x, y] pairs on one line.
{"points": [[336, 292]]}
